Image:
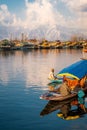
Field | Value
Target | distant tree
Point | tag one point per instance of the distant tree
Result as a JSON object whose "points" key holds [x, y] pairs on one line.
{"points": [[74, 38], [5, 42]]}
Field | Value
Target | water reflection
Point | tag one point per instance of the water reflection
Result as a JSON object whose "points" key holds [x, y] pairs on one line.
{"points": [[6, 54], [20, 73], [33, 66], [68, 110]]}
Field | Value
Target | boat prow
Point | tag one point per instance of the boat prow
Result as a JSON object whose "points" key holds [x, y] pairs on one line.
{"points": [[59, 81], [57, 97]]}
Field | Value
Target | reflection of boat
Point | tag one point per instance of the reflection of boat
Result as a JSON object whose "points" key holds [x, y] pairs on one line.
{"points": [[73, 114], [53, 106], [64, 108], [53, 84], [58, 97]]}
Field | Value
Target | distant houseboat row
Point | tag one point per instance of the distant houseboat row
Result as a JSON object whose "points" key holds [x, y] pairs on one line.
{"points": [[35, 44]]}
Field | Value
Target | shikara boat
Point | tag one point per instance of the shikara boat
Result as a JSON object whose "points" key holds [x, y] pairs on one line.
{"points": [[84, 49], [57, 97], [73, 113], [77, 70], [58, 81]]}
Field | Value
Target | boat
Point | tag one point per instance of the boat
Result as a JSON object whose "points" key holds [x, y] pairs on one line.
{"points": [[53, 95], [64, 107], [59, 81], [85, 48], [76, 70]]}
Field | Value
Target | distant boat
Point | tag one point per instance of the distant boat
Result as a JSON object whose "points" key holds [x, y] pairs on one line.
{"points": [[85, 48], [7, 47]]}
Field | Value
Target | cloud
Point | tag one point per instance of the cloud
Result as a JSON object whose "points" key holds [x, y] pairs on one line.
{"points": [[73, 5], [8, 19], [78, 20], [84, 8], [43, 14], [43, 18], [39, 15]]}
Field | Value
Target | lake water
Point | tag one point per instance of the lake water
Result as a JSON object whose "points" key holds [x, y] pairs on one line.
{"points": [[23, 78]]}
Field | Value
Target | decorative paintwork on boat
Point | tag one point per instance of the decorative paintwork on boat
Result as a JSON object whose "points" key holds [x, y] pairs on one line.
{"points": [[56, 96]]}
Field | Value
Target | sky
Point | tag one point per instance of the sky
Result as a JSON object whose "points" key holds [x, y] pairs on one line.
{"points": [[43, 19]]}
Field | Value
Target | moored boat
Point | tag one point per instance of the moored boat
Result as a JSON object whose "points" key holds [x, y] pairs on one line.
{"points": [[56, 81], [84, 49], [58, 97]]}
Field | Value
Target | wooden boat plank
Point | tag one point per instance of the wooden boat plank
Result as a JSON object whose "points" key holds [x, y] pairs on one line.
{"points": [[58, 97]]}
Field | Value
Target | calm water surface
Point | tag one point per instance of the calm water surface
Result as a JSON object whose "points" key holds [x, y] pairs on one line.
{"points": [[23, 78]]}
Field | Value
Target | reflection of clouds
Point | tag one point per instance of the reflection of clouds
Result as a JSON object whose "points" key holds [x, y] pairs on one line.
{"points": [[33, 67], [39, 65], [25, 66], [3, 77], [84, 54], [35, 74], [10, 66], [38, 69], [35, 89]]}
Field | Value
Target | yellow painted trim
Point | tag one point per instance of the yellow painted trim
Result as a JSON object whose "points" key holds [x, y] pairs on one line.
{"points": [[69, 117], [68, 74]]}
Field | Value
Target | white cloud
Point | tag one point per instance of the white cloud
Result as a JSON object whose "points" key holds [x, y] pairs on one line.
{"points": [[41, 13], [4, 14], [38, 14], [78, 8], [79, 11], [43, 18], [72, 4], [6, 18]]}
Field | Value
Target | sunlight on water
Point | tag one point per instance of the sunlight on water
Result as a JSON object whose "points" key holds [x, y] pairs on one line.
{"points": [[23, 78], [33, 67]]}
